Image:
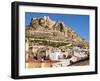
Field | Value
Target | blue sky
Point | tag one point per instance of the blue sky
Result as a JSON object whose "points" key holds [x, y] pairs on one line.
{"points": [[79, 23]]}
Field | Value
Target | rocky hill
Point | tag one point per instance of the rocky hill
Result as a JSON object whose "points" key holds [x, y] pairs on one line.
{"points": [[45, 31]]}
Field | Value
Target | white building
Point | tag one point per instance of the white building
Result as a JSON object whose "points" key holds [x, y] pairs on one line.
{"points": [[54, 56]]}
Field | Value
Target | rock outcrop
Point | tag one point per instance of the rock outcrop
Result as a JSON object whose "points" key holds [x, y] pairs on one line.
{"points": [[54, 33]]}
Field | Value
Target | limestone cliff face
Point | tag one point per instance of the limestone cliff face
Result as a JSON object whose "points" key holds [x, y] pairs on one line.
{"points": [[46, 29]]}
